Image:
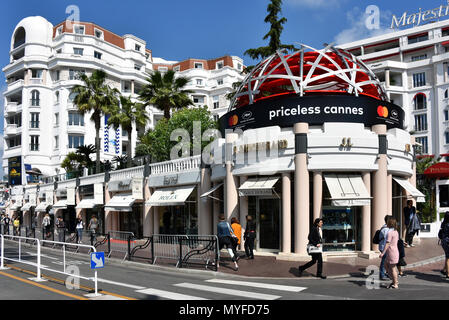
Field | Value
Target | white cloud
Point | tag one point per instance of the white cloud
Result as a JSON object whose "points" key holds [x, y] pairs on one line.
{"points": [[315, 4], [358, 29]]}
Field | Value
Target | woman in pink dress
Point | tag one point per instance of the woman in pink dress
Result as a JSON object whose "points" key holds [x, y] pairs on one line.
{"points": [[392, 252]]}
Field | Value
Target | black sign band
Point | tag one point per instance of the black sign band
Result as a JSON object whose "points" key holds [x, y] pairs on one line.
{"points": [[314, 110]]}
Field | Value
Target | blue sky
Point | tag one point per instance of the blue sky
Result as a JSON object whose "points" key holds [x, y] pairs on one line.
{"points": [[179, 29]]}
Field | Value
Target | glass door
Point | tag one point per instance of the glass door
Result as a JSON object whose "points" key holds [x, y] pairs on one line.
{"points": [[268, 221]]}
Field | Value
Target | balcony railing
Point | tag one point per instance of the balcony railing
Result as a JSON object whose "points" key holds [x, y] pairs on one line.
{"points": [[179, 165]]}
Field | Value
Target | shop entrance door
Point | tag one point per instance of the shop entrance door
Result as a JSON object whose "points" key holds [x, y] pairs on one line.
{"points": [[268, 221]]}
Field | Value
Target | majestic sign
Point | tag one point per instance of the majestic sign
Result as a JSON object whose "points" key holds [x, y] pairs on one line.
{"points": [[314, 110], [420, 17], [15, 171]]}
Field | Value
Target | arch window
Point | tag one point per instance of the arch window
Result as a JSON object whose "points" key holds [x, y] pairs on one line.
{"points": [[35, 98], [19, 37], [420, 101]]}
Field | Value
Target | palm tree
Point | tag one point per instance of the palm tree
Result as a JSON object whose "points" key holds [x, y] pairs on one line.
{"points": [[126, 115], [166, 92], [85, 152], [96, 97]]}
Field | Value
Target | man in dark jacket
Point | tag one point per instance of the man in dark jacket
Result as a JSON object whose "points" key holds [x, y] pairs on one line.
{"points": [[249, 236], [316, 240]]}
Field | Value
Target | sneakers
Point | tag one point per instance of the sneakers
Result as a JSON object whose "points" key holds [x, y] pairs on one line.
{"points": [[406, 245], [300, 272], [412, 245]]}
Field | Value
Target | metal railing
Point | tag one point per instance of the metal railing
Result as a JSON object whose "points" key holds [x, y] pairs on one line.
{"points": [[121, 241]]}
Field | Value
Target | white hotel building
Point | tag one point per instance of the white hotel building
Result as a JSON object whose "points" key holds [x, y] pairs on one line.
{"points": [[42, 124], [412, 64]]}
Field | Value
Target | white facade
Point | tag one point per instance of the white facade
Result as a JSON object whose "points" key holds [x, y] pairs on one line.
{"points": [[412, 62], [41, 123]]}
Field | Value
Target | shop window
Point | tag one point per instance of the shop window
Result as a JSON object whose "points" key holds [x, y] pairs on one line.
{"points": [[444, 196]]}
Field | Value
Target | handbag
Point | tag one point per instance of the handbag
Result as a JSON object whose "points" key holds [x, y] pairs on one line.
{"points": [[402, 262], [313, 249]]}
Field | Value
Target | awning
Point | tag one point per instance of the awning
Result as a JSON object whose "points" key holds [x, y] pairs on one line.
{"points": [[347, 190], [404, 183], [15, 207], [86, 204], [121, 203], [42, 207], [27, 207], [61, 204], [170, 196], [262, 186], [208, 193]]}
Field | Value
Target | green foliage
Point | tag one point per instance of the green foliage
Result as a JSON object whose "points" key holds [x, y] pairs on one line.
{"points": [[165, 92], [427, 187], [142, 150], [158, 140], [76, 161], [274, 34]]}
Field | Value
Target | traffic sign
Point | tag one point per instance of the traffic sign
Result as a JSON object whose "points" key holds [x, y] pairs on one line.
{"points": [[97, 260]]}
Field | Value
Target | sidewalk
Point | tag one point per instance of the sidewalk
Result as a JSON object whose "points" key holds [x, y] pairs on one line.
{"points": [[425, 251]]}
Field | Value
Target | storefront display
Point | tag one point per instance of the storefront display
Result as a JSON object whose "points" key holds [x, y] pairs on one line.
{"points": [[340, 228]]}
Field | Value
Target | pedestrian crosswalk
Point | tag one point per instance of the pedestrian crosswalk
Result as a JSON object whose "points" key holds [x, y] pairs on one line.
{"points": [[223, 288]]}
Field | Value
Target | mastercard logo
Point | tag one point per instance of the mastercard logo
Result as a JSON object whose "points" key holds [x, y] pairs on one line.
{"points": [[233, 120], [382, 111]]}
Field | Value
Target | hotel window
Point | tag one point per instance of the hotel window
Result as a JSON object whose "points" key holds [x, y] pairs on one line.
{"points": [[419, 79], [126, 86], [59, 51], [198, 65], [216, 100], [418, 38], [220, 65], [423, 142], [420, 57], [78, 51], [239, 66], [446, 115], [137, 47], [34, 145], [421, 122], [137, 67], [35, 98], [162, 69], [75, 74], [198, 99], [15, 142], [34, 123], [56, 119], [58, 75], [17, 120], [216, 117], [445, 32], [98, 34], [36, 74], [79, 29], [177, 69], [220, 82], [75, 141], [56, 143], [76, 119], [97, 55], [446, 137], [199, 82], [59, 31], [446, 94], [420, 101], [57, 97]]}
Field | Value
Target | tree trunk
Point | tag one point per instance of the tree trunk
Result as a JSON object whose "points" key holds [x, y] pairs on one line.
{"points": [[129, 151], [97, 143], [167, 113]]}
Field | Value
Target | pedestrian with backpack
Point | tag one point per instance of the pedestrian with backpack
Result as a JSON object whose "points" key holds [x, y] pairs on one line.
{"points": [[443, 235], [380, 238]]}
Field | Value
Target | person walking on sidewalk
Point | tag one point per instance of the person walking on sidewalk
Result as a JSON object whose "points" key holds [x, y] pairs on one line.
{"points": [[249, 236], [79, 229], [392, 253], [46, 223], [237, 228], [224, 234], [16, 224], [382, 241], [6, 222], [93, 228], [444, 237], [401, 262], [316, 240], [60, 228], [412, 223]]}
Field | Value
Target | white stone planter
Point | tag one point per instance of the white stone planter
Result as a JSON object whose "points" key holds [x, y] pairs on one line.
{"points": [[429, 230]]}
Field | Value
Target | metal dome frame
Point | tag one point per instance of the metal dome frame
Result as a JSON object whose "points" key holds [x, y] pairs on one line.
{"points": [[302, 83]]}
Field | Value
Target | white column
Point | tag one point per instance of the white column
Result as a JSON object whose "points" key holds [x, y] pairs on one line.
{"points": [[231, 197], [286, 214], [243, 211], [317, 195], [366, 216]]}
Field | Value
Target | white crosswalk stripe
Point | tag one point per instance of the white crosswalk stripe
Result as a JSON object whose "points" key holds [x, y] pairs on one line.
{"points": [[169, 295], [225, 291], [258, 285]]}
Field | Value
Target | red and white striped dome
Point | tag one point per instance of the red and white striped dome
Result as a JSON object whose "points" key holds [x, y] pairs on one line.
{"points": [[330, 71]]}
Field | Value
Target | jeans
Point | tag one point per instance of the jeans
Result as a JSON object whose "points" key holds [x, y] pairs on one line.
{"points": [[249, 247], [80, 234], [382, 271]]}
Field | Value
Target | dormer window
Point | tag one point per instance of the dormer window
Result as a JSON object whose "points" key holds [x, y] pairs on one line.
{"points": [[98, 34], [162, 69], [177, 69], [198, 65], [220, 65], [59, 31], [79, 29], [138, 47]]}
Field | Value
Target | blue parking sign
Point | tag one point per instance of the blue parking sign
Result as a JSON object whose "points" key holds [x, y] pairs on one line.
{"points": [[97, 260]]}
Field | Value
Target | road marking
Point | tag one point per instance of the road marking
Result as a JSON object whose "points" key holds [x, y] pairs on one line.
{"points": [[259, 285], [246, 294], [169, 295], [121, 284], [43, 286]]}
